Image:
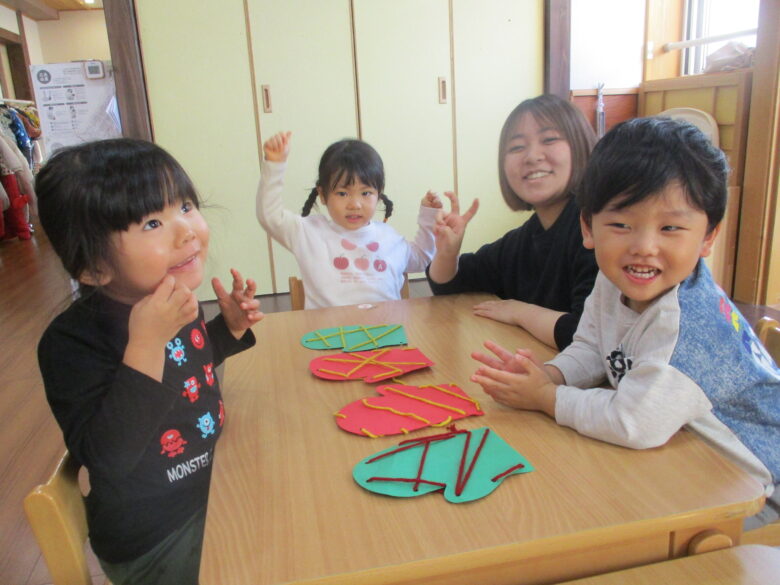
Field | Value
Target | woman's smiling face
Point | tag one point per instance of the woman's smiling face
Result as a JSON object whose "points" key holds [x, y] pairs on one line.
{"points": [[537, 163]]}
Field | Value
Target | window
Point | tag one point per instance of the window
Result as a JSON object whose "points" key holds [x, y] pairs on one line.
{"points": [[715, 18]]}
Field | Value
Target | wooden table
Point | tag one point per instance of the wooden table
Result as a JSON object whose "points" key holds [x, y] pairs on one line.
{"points": [[741, 565], [284, 507]]}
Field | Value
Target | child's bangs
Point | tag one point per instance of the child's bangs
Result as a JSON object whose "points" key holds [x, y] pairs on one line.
{"points": [[145, 193], [352, 173]]}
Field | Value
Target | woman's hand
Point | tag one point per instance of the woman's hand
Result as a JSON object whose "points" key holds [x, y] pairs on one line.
{"points": [[448, 231], [451, 227], [506, 311]]}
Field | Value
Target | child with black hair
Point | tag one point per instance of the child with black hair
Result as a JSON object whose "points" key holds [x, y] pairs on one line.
{"points": [[668, 340], [345, 258], [129, 367]]}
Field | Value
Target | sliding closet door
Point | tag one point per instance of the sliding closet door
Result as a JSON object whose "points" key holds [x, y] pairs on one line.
{"points": [[304, 75], [196, 66], [403, 73], [499, 62]]}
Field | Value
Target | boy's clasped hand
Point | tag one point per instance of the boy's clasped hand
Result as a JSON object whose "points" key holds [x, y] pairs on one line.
{"points": [[518, 380]]}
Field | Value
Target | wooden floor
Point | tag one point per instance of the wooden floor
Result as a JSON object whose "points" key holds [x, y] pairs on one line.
{"points": [[33, 289]]}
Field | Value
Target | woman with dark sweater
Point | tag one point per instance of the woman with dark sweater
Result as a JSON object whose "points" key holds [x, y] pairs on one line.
{"points": [[540, 270]]}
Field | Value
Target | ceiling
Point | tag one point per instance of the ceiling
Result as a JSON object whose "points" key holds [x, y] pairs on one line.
{"points": [[49, 9], [73, 4]]}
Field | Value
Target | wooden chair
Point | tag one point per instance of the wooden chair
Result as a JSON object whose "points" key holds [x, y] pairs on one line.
{"points": [[297, 295], [768, 331], [58, 519]]}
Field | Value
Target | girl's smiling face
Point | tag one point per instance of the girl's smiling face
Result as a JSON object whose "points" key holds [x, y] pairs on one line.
{"points": [[537, 164], [351, 205], [172, 241], [647, 248]]}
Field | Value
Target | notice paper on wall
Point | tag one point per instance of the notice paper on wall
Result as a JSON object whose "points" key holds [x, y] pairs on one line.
{"points": [[76, 103]]}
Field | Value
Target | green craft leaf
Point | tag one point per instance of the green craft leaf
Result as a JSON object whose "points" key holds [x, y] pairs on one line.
{"points": [[396, 471], [355, 337]]}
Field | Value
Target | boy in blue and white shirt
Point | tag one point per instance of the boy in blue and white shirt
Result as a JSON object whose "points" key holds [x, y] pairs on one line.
{"points": [[666, 338]]}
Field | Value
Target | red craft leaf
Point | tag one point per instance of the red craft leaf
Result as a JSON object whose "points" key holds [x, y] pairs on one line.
{"points": [[402, 409], [372, 366]]}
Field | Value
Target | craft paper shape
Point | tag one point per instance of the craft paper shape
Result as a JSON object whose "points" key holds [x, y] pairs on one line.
{"points": [[463, 465], [355, 337], [402, 409], [372, 366]]}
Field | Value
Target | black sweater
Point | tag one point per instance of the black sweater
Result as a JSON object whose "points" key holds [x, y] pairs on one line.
{"points": [[549, 268], [148, 446]]}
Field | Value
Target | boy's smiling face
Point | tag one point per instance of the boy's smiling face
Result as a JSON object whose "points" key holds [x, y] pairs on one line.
{"points": [[647, 248]]}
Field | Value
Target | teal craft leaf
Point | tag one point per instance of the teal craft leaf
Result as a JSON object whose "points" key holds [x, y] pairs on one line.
{"points": [[355, 337], [464, 465]]}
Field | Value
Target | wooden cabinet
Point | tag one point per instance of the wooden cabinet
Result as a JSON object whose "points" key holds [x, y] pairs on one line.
{"points": [[428, 84], [198, 80], [304, 77], [403, 65], [498, 62]]}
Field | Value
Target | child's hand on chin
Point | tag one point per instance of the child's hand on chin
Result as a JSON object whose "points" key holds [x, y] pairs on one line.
{"points": [[156, 318]]}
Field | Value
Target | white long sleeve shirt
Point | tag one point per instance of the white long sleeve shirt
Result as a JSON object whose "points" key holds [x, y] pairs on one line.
{"points": [[341, 266], [688, 359]]}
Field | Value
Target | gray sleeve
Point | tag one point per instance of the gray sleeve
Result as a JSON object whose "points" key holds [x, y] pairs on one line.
{"points": [[651, 403]]}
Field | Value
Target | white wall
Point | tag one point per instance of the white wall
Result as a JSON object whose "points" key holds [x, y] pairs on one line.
{"points": [[8, 20], [606, 43], [33, 37], [77, 35], [6, 67]]}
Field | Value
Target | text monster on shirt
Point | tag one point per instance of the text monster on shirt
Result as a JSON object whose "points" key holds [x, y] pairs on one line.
{"points": [[186, 468]]}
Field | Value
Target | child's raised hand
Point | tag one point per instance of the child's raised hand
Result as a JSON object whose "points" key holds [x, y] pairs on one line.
{"points": [[450, 227], [277, 147], [431, 199], [239, 307]]}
